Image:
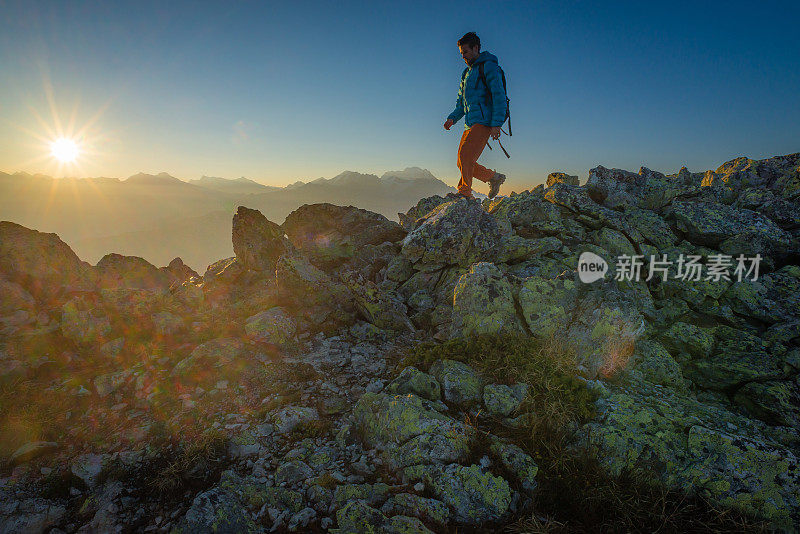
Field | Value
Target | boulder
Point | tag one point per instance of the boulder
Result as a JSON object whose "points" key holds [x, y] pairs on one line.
{"points": [[412, 380], [500, 399], [458, 232], [212, 360], [40, 262], [132, 272], [328, 235], [408, 432], [473, 496], [734, 230], [408, 220], [226, 271], [408, 504], [736, 461], [33, 515], [82, 323], [617, 188], [14, 298], [257, 241], [379, 304], [483, 302], [516, 462], [460, 383], [219, 510], [274, 325], [561, 177], [178, 272]]}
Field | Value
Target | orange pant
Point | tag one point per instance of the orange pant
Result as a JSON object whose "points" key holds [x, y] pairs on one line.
{"points": [[469, 150]]}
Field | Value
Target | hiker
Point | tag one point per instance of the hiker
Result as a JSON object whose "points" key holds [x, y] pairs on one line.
{"points": [[482, 120]]}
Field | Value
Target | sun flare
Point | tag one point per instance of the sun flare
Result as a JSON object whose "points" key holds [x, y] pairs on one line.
{"points": [[64, 150]]}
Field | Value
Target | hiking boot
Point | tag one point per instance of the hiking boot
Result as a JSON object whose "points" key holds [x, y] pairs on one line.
{"points": [[494, 184]]}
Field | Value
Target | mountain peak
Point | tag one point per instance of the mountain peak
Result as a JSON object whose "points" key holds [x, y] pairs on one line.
{"points": [[161, 178]]}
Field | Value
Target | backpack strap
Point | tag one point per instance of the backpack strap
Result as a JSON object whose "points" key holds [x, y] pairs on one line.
{"points": [[482, 77]]}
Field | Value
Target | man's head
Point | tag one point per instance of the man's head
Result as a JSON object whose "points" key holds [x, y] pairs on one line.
{"points": [[470, 47]]}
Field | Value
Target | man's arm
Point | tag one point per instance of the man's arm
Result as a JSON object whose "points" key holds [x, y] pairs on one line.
{"points": [[495, 82], [459, 111]]}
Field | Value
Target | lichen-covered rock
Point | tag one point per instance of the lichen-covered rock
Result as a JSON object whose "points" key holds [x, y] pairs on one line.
{"points": [[473, 496], [217, 511], [226, 271], [82, 323], [40, 262], [257, 241], [272, 326], [372, 494], [614, 242], [33, 515], [412, 380], [460, 383], [178, 272], [738, 357], [618, 188], [775, 402], [329, 234], [208, 361], [695, 341], [379, 305], [771, 298], [501, 400], [516, 462], [408, 220], [357, 517], [547, 304], [743, 231], [655, 364], [561, 177], [32, 450], [289, 417], [694, 446], [408, 431], [458, 232], [483, 303], [118, 271], [300, 280], [577, 200], [292, 472], [14, 298], [403, 524], [166, 323], [258, 496], [526, 210], [108, 383], [408, 504], [399, 269]]}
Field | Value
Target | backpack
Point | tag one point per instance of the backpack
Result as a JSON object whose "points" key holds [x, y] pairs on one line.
{"points": [[482, 77]]}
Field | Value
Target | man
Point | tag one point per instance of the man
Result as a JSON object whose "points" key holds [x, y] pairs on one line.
{"points": [[482, 120]]}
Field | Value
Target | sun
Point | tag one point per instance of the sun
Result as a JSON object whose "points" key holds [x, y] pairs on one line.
{"points": [[64, 150]]}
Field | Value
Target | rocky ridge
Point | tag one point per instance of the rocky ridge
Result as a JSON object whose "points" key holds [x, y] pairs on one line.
{"points": [[266, 395]]}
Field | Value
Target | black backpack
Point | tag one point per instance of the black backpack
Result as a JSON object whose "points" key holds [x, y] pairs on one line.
{"points": [[482, 77]]}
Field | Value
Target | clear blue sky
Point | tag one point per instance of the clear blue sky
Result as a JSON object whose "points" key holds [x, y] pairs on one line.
{"points": [[285, 91]]}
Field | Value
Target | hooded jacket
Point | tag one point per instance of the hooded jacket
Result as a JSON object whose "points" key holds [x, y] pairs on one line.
{"points": [[473, 102]]}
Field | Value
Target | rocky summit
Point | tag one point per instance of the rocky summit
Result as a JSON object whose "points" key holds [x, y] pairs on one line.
{"points": [[622, 355]]}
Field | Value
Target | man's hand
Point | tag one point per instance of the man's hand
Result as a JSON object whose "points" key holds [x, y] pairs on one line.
{"points": [[448, 123], [494, 133]]}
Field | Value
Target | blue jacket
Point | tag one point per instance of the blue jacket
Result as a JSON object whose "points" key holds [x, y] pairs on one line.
{"points": [[473, 100]]}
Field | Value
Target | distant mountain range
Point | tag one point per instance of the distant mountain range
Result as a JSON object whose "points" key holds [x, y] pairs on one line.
{"points": [[160, 216]]}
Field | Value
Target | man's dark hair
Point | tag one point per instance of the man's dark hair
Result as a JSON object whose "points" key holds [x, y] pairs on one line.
{"points": [[470, 39]]}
